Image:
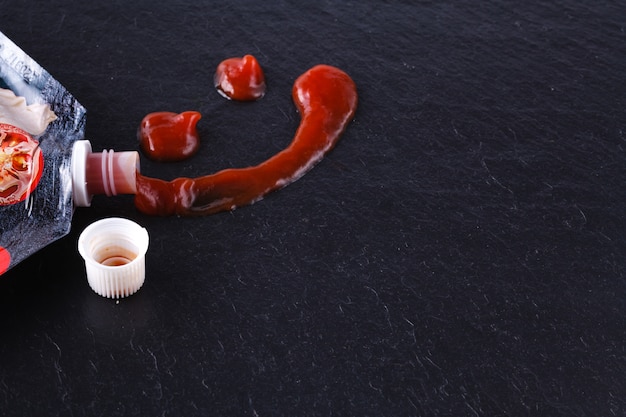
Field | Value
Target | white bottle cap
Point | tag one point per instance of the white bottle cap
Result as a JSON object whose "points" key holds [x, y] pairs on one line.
{"points": [[114, 251]]}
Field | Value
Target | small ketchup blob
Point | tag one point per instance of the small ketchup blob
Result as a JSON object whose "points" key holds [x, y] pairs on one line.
{"points": [[167, 137], [326, 98], [240, 79]]}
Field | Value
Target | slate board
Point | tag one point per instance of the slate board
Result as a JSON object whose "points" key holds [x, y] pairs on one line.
{"points": [[460, 252]]}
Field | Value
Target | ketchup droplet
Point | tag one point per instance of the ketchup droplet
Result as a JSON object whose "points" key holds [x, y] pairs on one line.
{"points": [[326, 98], [240, 79], [166, 136]]}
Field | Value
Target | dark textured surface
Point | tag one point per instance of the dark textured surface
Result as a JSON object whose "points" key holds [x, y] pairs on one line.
{"points": [[461, 252]]}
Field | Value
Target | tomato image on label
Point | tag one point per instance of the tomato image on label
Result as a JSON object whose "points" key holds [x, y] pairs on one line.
{"points": [[5, 259], [21, 164]]}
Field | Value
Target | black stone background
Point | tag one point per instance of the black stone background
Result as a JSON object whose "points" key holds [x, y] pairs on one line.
{"points": [[461, 252]]}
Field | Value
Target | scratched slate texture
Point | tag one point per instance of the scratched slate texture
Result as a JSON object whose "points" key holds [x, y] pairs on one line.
{"points": [[461, 252]]}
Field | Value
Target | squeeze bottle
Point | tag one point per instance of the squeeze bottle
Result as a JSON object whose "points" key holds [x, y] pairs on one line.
{"points": [[45, 174]]}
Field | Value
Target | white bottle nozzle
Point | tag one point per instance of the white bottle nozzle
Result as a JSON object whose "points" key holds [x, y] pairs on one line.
{"points": [[109, 173]]}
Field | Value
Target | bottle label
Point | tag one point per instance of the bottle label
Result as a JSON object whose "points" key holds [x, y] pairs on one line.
{"points": [[5, 259], [21, 164]]}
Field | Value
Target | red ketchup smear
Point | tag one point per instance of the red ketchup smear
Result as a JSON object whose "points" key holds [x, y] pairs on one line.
{"points": [[240, 79], [326, 98]]}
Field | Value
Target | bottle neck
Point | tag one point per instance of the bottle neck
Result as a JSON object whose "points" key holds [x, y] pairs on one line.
{"points": [[107, 172]]}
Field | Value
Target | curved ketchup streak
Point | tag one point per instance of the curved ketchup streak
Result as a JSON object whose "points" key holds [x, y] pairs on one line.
{"points": [[326, 98]]}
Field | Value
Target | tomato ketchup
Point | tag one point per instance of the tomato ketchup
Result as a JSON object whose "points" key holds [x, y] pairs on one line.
{"points": [[326, 98]]}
